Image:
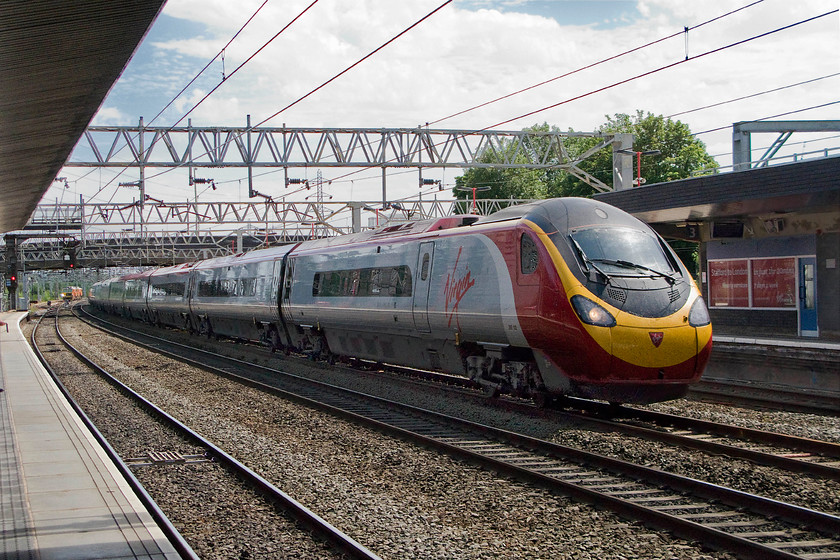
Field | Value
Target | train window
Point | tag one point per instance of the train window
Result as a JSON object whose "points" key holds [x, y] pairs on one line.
{"points": [[424, 270], [529, 257], [228, 287], [168, 289], [386, 281], [134, 289], [248, 287]]}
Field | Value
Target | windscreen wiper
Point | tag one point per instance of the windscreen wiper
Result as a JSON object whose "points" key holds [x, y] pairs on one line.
{"points": [[628, 264], [588, 262]]}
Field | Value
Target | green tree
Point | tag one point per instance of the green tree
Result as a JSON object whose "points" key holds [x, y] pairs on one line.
{"points": [[681, 154], [501, 183]]}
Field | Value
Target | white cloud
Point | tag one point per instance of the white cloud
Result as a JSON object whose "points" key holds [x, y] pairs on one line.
{"points": [[111, 116], [464, 56]]}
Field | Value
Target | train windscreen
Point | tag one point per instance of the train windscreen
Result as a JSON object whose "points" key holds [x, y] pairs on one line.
{"points": [[614, 248]]}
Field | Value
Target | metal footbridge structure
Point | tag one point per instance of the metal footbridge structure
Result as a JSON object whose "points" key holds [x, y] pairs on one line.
{"points": [[103, 235]]}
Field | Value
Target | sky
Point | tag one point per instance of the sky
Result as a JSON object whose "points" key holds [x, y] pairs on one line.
{"points": [[467, 53]]}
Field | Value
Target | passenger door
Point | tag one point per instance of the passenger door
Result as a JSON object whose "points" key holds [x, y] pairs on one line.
{"points": [[423, 278], [286, 289], [808, 297]]}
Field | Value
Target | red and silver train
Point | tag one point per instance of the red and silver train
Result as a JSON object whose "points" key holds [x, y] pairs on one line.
{"points": [[559, 297]]}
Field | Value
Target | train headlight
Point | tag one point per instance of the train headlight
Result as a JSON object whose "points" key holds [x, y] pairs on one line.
{"points": [[699, 314], [591, 313]]}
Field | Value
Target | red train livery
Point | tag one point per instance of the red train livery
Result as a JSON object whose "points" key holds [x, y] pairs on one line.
{"points": [[559, 297]]}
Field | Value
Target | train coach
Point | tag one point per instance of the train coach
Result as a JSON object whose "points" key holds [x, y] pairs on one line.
{"points": [[558, 297]]}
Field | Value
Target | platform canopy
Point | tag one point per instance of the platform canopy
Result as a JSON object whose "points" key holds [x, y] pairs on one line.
{"points": [[58, 60], [801, 197]]}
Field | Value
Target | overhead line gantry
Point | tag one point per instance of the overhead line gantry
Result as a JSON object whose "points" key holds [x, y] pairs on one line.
{"points": [[284, 147]]}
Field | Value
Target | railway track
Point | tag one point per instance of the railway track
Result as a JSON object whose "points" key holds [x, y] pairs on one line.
{"points": [[203, 452], [796, 454], [792, 453], [747, 525], [774, 398]]}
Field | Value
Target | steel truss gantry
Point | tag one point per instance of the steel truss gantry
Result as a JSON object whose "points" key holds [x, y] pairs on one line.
{"points": [[283, 147], [742, 138], [96, 234]]}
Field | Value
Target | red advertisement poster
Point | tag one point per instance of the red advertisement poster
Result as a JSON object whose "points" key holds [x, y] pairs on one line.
{"points": [[774, 282], [728, 283]]}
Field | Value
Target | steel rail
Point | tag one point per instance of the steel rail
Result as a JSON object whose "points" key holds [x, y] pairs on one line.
{"points": [[810, 446], [169, 530], [414, 425], [298, 511], [750, 434], [578, 409], [765, 397]]}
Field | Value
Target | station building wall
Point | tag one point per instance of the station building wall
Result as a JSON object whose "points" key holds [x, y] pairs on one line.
{"points": [[752, 286], [828, 283]]}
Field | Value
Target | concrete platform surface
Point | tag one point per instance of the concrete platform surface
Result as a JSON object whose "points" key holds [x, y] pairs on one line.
{"points": [[61, 497]]}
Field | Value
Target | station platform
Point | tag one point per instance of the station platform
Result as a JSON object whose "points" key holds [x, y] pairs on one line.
{"points": [[61, 497], [805, 364]]}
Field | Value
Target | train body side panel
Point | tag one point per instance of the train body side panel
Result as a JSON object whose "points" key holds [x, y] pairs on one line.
{"points": [[461, 294], [234, 300]]}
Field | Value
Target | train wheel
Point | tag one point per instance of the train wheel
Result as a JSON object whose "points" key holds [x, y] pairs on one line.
{"points": [[490, 391]]}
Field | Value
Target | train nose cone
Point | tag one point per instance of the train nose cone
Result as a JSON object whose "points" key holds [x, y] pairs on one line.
{"points": [[648, 348]]}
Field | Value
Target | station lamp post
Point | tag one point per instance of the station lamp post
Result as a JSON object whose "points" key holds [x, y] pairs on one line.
{"points": [[639, 180]]}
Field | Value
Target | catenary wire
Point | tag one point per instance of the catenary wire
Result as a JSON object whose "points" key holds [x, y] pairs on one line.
{"points": [[212, 60], [772, 116], [644, 74], [218, 85], [594, 64], [370, 54], [752, 95], [661, 68], [235, 70]]}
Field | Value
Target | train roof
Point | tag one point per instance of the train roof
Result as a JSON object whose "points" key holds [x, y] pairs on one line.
{"points": [[137, 275], [557, 213], [257, 255], [182, 268], [565, 214]]}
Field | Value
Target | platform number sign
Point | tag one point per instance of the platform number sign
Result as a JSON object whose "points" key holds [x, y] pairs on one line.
{"points": [[692, 231]]}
